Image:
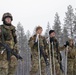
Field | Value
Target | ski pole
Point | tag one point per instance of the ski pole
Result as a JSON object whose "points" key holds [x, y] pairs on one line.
{"points": [[66, 55], [53, 59], [50, 57], [39, 56]]}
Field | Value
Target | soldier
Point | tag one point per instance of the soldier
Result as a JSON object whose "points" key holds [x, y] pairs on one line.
{"points": [[56, 59], [33, 42], [8, 36], [71, 57]]}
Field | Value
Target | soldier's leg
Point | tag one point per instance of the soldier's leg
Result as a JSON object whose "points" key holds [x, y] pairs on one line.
{"points": [[43, 67], [57, 68], [34, 64], [74, 66], [12, 66], [70, 67], [3, 67]]}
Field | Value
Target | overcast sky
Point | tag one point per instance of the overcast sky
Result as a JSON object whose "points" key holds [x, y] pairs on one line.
{"points": [[35, 12]]}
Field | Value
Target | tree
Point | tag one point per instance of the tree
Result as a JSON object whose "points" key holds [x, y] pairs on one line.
{"points": [[23, 68], [28, 34], [57, 27], [47, 30], [74, 29], [34, 31], [68, 21], [20, 36], [65, 35]]}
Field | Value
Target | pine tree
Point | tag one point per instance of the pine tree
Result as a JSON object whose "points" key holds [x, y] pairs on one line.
{"points": [[24, 51], [28, 34], [47, 30], [74, 30], [20, 36], [65, 35], [57, 26], [34, 31], [68, 22]]}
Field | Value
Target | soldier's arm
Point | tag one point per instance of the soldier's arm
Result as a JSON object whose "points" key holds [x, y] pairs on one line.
{"points": [[0, 31], [14, 35], [62, 48], [57, 46], [74, 52], [0, 36], [15, 40], [31, 42], [46, 46]]}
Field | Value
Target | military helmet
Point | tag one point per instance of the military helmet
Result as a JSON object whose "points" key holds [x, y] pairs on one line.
{"points": [[5, 15]]}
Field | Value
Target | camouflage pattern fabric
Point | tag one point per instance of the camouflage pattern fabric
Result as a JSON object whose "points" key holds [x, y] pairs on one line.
{"points": [[57, 67], [57, 58], [34, 55], [71, 61], [7, 67]]}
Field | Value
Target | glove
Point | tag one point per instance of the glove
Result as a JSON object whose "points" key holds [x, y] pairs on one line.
{"points": [[15, 48], [13, 58], [51, 40], [67, 44]]}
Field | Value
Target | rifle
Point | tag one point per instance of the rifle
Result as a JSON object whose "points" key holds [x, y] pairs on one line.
{"points": [[10, 51], [66, 55], [44, 56], [53, 58], [41, 48], [50, 58]]}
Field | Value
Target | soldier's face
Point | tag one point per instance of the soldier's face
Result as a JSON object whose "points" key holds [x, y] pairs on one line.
{"points": [[8, 20], [71, 43], [52, 34], [40, 31]]}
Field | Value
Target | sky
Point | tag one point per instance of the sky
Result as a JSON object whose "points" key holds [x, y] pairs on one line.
{"points": [[31, 13]]}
